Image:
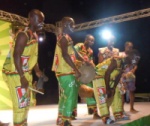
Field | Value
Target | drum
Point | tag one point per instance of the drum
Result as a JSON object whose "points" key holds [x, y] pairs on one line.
{"points": [[85, 91], [87, 73]]}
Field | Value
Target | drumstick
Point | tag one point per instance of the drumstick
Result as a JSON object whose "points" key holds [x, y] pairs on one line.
{"points": [[36, 90]]}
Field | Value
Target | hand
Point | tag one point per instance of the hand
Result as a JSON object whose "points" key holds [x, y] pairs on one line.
{"points": [[39, 74], [109, 93], [77, 74], [112, 91], [24, 82], [87, 63], [45, 78]]}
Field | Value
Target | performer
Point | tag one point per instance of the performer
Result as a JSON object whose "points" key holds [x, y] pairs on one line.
{"points": [[64, 68], [107, 52], [129, 71], [105, 86], [20, 61], [84, 49]]}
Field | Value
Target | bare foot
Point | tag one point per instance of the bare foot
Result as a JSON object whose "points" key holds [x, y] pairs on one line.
{"points": [[4, 124], [133, 111], [96, 116]]}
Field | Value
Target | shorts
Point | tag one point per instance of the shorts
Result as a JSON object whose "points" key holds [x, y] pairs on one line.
{"points": [[131, 86]]}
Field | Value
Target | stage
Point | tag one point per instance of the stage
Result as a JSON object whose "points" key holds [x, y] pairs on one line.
{"points": [[45, 115]]}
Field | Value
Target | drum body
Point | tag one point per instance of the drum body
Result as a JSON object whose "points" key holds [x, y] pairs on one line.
{"points": [[87, 73], [86, 91]]}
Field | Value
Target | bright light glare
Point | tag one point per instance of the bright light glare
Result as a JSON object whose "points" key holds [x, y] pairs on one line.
{"points": [[106, 34], [41, 39]]}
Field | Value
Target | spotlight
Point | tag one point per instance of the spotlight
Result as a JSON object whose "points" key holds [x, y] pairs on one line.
{"points": [[41, 39], [106, 34], [41, 36]]}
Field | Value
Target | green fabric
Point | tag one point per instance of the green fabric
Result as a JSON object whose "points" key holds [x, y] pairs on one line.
{"points": [[68, 94], [144, 121], [90, 101]]}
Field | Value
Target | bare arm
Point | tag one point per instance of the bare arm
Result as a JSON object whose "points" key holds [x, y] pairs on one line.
{"points": [[100, 57], [78, 56], [134, 69], [37, 70], [66, 56], [110, 69], [40, 73], [117, 79], [20, 44]]}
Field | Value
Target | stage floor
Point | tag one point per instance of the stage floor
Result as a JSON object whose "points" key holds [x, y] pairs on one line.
{"points": [[45, 115]]}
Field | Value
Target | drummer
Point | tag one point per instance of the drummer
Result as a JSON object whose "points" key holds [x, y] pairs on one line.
{"points": [[105, 86], [64, 68], [84, 49]]}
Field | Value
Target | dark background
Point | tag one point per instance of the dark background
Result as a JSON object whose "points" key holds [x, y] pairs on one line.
{"points": [[137, 31]]}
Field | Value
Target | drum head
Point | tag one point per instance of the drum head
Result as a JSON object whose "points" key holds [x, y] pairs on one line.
{"points": [[87, 73]]}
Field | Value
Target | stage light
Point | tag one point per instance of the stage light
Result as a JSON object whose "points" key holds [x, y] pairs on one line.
{"points": [[41, 39], [41, 36], [106, 34]]}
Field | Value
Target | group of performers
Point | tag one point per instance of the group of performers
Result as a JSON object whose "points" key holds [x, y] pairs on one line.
{"points": [[114, 75], [111, 73]]}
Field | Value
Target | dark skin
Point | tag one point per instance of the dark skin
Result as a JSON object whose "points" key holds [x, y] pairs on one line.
{"points": [[89, 41], [128, 47], [109, 45], [67, 27], [35, 24], [66, 56], [111, 91]]}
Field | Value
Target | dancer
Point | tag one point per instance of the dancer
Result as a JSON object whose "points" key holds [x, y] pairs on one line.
{"points": [[129, 71], [107, 52], [20, 61], [64, 68], [105, 86], [84, 49]]}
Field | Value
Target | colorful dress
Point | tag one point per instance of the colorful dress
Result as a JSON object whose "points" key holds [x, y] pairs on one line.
{"points": [[20, 97], [87, 54], [106, 53], [129, 79], [100, 90], [66, 79]]}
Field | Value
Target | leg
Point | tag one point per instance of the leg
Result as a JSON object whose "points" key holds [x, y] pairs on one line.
{"points": [[70, 93], [122, 91], [91, 104], [60, 106], [127, 96], [74, 113], [117, 108], [123, 101], [20, 99], [132, 110], [100, 95], [131, 87]]}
